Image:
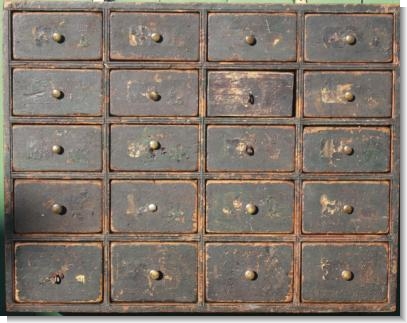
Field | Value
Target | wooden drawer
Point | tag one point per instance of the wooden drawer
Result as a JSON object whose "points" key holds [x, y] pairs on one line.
{"points": [[57, 206], [57, 148], [250, 148], [348, 94], [154, 93], [64, 272], [249, 206], [154, 36], [44, 92], [57, 35], [250, 94], [154, 206], [346, 149], [249, 272], [154, 148], [348, 38], [154, 272], [252, 37], [345, 207], [349, 272]]}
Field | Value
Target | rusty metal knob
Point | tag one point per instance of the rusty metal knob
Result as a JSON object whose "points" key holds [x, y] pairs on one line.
{"points": [[155, 274], [350, 39], [250, 40], [57, 37], [347, 275], [349, 96], [156, 37], [347, 150], [251, 209], [250, 275], [154, 144], [154, 96], [57, 149], [348, 209], [58, 208]]}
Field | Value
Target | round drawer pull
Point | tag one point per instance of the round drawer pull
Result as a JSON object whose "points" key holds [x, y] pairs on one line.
{"points": [[58, 209], [57, 94], [347, 150], [251, 209], [152, 207], [348, 209], [154, 96], [155, 274], [57, 37], [156, 37], [250, 40], [56, 278], [251, 99], [347, 275], [349, 96], [154, 145], [250, 275], [57, 149], [250, 150], [350, 39]]}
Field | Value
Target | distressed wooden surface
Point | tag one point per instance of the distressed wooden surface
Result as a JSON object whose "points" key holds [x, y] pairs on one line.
{"points": [[323, 204], [32, 148], [78, 266], [326, 94], [81, 92], [322, 267], [82, 36], [81, 202], [176, 203], [227, 264], [177, 90], [130, 148], [226, 203], [132, 263], [323, 149], [272, 147], [324, 38], [275, 36], [250, 94], [130, 35]]}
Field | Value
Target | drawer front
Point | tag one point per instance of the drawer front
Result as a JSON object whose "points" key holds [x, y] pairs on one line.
{"points": [[43, 92], [348, 94], [347, 149], [154, 148], [344, 272], [251, 148], [59, 36], [154, 36], [58, 272], [249, 272], [249, 206], [346, 207], [154, 93], [252, 37], [57, 148], [153, 272], [154, 206], [348, 38], [251, 94], [56, 206]]}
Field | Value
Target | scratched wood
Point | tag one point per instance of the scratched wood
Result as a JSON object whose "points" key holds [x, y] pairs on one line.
{"points": [[81, 32]]}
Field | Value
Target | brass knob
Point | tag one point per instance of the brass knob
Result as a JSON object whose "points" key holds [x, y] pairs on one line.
{"points": [[350, 39], [250, 275], [251, 209], [250, 40], [347, 275], [152, 207], [57, 149], [349, 96], [155, 274], [154, 144], [348, 209], [347, 150], [58, 209], [156, 37], [57, 37], [249, 150], [57, 94], [153, 95]]}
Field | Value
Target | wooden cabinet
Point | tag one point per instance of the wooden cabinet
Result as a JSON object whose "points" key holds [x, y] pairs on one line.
{"points": [[201, 158]]}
